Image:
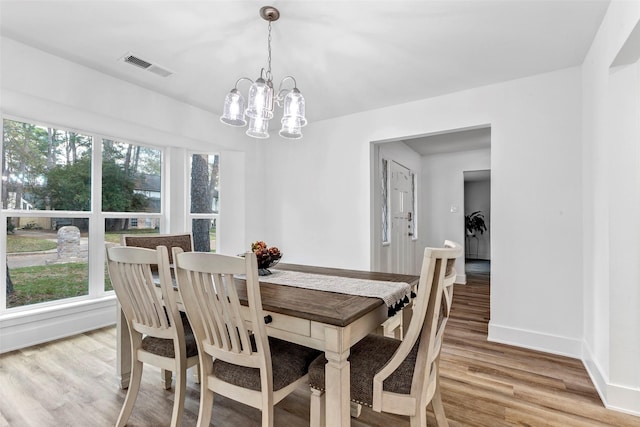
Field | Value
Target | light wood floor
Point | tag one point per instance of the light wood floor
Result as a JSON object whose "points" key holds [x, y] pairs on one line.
{"points": [[71, 382]]}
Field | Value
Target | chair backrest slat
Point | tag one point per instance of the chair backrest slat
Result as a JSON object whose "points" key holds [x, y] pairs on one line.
{"points": [[236, 329], [211, 318], [147, 303], [138, 294]]}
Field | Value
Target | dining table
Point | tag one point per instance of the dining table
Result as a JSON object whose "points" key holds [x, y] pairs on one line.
{"points": [[328, 321]]}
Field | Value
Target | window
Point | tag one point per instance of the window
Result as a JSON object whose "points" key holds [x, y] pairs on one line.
{"points": [[204, 199], [48, 186], [131, 182], [46, 193], [384, 196]]}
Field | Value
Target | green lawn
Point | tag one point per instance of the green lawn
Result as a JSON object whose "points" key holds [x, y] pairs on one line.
{"points": [[52, 282], [16, 244], [47, 283]]}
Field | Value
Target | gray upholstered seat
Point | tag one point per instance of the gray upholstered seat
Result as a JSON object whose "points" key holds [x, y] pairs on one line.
{"points": [[367, 357], [164, 347], [290, 362]]}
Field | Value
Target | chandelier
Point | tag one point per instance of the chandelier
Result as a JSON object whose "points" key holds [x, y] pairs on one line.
{"points": [[261, 99]]}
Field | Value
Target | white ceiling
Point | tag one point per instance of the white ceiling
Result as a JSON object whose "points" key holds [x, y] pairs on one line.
{"points": [[347, 56]]}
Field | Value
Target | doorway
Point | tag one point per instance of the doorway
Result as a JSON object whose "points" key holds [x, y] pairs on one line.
{"points": [[438, 161], [477, 212]]}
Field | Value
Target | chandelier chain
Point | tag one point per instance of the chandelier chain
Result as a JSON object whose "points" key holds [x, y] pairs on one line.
{"points": [[269, 57]]}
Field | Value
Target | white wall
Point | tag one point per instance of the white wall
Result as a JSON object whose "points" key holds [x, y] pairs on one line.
{"points": [[477, 197], [611, 165], [442, 189], [319, 211]]}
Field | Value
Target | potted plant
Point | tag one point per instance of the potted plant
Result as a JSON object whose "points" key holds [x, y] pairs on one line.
{"points": [[474, 223]]}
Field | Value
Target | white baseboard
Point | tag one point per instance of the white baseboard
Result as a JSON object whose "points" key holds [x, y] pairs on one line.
{"points": [[461, 279], [613, 396], [532, 340], [24, 329]]}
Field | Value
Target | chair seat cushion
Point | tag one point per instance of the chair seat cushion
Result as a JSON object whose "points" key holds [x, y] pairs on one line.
{"points": [[367, 358], [164, 347], [290, 363]]}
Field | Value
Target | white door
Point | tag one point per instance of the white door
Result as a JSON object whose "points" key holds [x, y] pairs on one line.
{"points": [[401, 216]]}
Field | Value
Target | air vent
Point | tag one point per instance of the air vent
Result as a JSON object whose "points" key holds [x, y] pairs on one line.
{"points": [[133, 59]]}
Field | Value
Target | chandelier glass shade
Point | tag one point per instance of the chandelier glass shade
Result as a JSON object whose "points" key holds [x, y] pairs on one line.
{"points": [[234, 109], [262, 99]]}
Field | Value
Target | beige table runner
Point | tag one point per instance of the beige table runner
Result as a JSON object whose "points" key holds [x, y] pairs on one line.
{"points": [[394, 294]]}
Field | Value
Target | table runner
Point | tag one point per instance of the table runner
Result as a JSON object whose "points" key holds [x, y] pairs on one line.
{"points": [[394, 294]]}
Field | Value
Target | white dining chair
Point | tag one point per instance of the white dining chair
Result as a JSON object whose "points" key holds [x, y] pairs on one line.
{"points": [[159, 335], [152, 241], [237, 358], [401, 377]]}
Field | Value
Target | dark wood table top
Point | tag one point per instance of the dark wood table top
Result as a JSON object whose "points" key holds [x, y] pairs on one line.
{"points": [[321, 306]]}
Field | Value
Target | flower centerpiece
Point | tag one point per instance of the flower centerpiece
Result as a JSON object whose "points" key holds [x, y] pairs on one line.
{"points": [[267, 256]]}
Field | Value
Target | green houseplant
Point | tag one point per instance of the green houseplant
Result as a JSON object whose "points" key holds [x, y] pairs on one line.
{"points": [[474, 223]]}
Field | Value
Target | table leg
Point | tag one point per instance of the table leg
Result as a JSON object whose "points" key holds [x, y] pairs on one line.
{"points": [[337, 380], [123, 350]]}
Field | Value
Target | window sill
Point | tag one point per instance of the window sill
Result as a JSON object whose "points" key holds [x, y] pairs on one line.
{"points": [[25, 328]]}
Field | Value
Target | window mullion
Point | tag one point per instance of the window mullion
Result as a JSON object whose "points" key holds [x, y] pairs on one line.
{"points": [[96, 223]]}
